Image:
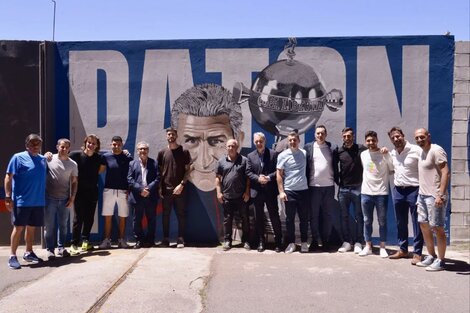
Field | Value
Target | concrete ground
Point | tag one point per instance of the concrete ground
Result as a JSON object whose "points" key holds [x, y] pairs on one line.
{"points": [[197, 279]]}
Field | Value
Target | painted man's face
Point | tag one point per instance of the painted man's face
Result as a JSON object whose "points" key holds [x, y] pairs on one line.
{"points": [[205, 138]]}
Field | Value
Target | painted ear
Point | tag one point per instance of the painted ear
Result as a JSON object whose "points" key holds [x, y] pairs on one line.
{"points": [[241, 136]]}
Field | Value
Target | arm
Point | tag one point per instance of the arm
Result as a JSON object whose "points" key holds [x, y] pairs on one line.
{"points": [[179, 189], [218, 188], [250, 172], [8, 191], [280, 184], [445, 175], [73, 191]]}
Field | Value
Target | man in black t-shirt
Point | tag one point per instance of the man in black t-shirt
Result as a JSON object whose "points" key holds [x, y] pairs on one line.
{"points": [[174, 164]]}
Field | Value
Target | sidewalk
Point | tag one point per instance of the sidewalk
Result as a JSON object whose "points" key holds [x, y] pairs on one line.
{"points": [[210, 280]]}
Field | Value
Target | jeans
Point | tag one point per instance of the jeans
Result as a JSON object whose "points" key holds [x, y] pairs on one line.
{"points": [[380, 203], [230, 207], [55, 208], [178, 201], [346, 197], [405, 199], [322, 202], [297, 202], [273, 211]]}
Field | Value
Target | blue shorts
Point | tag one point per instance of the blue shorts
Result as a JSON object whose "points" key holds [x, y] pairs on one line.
{"points": [[28, 216], [429, 213]]}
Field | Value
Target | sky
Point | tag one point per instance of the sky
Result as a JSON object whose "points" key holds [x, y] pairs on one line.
{"points": [[90, 20]]}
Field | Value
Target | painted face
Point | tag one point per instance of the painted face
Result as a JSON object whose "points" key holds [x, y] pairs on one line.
{"points": [[34, 147], [259, 142], [348, 138], [293, 142], [371, 143], [63, 148], [397, 139], [320, 135], [116, 147], [205, 138], [143, 151], [422, 138]]}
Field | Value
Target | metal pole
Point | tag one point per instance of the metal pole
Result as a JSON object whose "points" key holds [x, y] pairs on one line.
{"points": [[53, 22]]}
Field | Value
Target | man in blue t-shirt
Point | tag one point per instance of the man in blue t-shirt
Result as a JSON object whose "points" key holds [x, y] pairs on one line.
{"points": [[115, 191], [25, 194]]}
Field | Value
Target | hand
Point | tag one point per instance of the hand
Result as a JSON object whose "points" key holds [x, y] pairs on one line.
{"points": [[48, 156], [439, 202], [70, 202], [384, 150], [145, 193], [263, 180], [283, 196], [220, 197], [246, 196], [126, 153], [9, 204], [178, 189]]}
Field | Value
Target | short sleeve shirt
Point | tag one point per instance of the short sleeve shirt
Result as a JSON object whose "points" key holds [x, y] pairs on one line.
{"points": [[29, 179], [172, 164], [58, 177], [429, 173], [117, 167], [88, 169], [233, 176], [294, 164], [377, 167]]}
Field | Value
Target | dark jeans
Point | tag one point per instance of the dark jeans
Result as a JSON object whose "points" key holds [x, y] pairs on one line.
{"points": [[297, 202], [322, 202], [351, 196], [380, 203], [178, 201], [405, 199], [271, 204], [230, 207], [148, 208], [84, 209]]}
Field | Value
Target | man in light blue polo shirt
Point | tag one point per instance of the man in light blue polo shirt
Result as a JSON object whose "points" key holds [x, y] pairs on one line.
{"points": [[293, 190]]}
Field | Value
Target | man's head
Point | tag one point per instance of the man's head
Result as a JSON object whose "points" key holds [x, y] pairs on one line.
{"points": [[260, 141], [397, 138], [423, 138], [63, 147], [33, 144], [371, 140], [232, 148], [91, 143], [320, 134], [206, 118], [143, 150], [116, 145], [294, 140], [348, 136], [171, 135]]}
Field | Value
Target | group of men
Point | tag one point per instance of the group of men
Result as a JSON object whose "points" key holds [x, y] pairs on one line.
{"points": [[304, 179], [41, 190]]}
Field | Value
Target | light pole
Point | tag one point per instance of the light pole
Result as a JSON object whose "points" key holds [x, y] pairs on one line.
{"points": [[53, 22]]}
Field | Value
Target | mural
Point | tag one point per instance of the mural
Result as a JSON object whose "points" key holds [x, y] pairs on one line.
{"points": [[136, 89]]}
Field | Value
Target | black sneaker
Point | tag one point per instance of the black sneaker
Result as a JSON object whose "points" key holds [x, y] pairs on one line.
{"points": [[31, 257], [227, 245]]}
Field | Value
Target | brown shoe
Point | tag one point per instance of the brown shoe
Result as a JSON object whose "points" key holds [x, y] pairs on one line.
{"points": [[416, 259], [400, 254]]}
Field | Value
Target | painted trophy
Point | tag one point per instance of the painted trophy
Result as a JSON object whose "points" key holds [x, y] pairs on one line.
{"points": [[287, 95]]}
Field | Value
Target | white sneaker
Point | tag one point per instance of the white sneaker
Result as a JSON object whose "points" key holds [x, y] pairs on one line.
{"points": [[105, 244], [345, 247], [290, 248], [383, 253], [357, 248], [122, 244], [365, 251], [304, 247]]}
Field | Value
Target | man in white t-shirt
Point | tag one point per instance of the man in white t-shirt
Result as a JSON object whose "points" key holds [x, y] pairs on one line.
{"points": [[405, 158], [432, 198], [321, 174], [374, 191]]}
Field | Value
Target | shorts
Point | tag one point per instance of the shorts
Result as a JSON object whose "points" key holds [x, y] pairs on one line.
{"points": [[429, 213], [28, 216], [113, 197]]}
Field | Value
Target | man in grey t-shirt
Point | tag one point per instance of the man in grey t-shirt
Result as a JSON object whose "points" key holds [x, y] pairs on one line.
{"points": [[61, 188]]}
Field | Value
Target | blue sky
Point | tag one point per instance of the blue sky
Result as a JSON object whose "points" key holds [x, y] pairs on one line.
{"points": [[81, 20]]}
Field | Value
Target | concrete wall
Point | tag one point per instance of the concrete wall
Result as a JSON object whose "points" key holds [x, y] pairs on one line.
{"points": [[460, 180]]}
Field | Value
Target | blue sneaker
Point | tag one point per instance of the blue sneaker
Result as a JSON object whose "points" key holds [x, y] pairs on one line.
{"points": [[13, 263], [31, 257]]}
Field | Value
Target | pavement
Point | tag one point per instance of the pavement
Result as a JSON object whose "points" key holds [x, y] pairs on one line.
{"points": [[207, 279]]}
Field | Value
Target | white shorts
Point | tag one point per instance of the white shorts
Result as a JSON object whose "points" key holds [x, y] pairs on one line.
{"points": [[113, 197]]}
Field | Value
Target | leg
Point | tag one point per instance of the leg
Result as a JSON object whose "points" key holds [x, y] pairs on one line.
{"points": [[302, 210], [243, 209], [381, 205], [62, 219], [15, 238], [123, 212], [79, 211], [259, 217], [89, 218], [367, 204], [344, 199], [228, 219], [401, 213], [314, 214], [180, 208], [137, 222], [107, 227], [122, 227], [167, 205], [273, 210], [441, 242], [328, 205], [151, 214], [418, 240], [358, 215], [49, 223], [428, 238], [29, 238]]}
